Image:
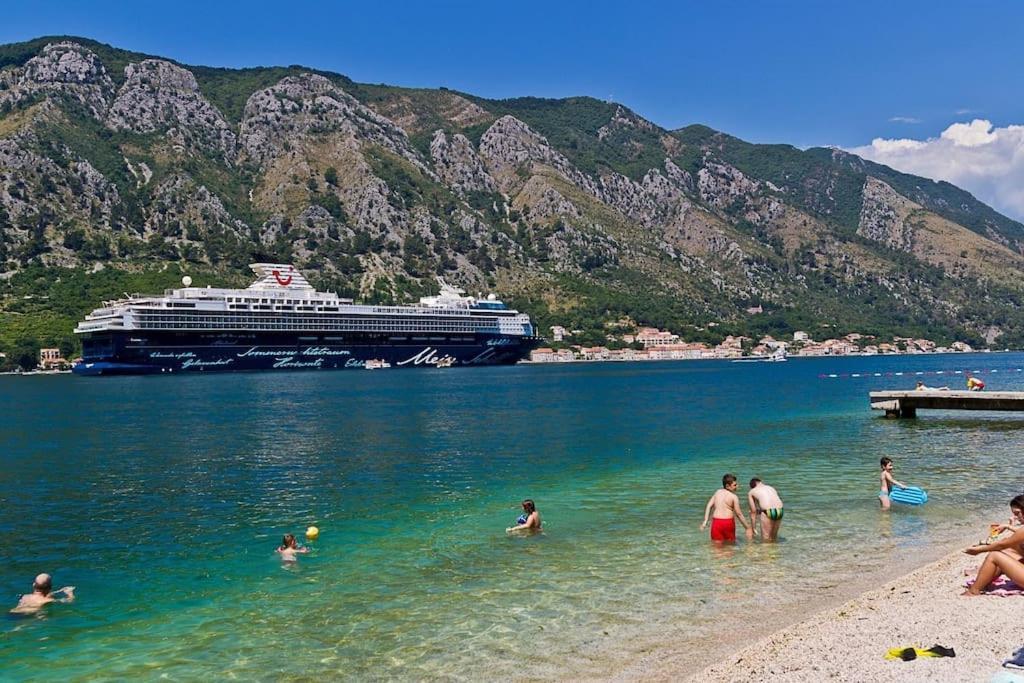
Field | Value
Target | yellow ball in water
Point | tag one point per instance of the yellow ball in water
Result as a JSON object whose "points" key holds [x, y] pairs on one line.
{"points": [[312, 533]]}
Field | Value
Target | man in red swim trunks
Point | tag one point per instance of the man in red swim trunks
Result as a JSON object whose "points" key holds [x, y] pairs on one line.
{"points": [[726, 507]]}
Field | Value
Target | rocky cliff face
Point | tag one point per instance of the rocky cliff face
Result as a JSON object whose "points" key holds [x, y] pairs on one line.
{"points": [[66, 69], [114, 160], [158, 96], [883, 217]]}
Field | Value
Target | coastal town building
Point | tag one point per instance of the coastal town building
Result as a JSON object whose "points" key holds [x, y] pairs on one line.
{"points": [[664, 345], [558, 333], [651, 336], [51, 359]]}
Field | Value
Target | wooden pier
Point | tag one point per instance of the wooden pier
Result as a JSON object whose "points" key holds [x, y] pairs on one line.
{"points": [[907, 403]]}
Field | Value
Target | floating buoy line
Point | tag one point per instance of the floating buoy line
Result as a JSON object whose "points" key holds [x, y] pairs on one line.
{"points": [[916, 373]]}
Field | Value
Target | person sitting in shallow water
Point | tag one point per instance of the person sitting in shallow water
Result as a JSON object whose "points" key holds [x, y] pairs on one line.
{"points": [[289, 547], [529, 521], [1004, 557], [42, 595]]}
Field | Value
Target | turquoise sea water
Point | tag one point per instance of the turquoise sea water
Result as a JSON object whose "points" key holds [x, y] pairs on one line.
{"points": [[163, 498]]}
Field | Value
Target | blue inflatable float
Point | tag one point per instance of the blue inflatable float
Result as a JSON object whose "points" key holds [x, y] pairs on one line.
{"points": [[912, 495]]}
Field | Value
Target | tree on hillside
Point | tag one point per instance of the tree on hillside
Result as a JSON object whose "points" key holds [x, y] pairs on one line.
{"points": [[24, 354]]}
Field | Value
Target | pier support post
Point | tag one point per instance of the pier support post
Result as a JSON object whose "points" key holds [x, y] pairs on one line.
{"points": [[895, 410]]}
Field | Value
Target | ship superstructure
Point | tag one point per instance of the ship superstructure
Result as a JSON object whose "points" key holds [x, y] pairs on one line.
{"points": [[281, 322]]}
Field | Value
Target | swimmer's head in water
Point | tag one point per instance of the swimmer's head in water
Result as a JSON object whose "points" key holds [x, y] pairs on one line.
{"points": [[728, 480], [43, 584], [288, 541], [529, 506], [754, 482]]}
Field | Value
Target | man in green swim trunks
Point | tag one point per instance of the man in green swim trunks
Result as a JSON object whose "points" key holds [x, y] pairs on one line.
{"points": [[765, 509]]}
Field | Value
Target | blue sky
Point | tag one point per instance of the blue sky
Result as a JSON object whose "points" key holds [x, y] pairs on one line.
{"points": [[862, 75], [807, 73]]}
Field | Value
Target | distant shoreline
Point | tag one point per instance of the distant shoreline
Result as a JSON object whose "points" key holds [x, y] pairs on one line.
{"points": [[763, 359]]}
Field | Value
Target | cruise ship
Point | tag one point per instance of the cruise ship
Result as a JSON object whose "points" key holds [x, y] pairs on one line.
{"points": [[280, 322]]}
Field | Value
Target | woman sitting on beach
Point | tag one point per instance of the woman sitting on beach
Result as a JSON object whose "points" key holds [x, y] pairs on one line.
{"points": [[1004, 557]]}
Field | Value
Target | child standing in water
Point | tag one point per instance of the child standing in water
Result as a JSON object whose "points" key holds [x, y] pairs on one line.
{"points": [[289, 547], [886, 482], [724, 508]]}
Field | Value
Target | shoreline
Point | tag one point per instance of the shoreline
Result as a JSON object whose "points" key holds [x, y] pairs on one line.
{"points": [[766, 359], [848, 641]]}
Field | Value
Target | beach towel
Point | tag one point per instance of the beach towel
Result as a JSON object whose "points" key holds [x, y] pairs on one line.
{"points": [[1003, 587]]}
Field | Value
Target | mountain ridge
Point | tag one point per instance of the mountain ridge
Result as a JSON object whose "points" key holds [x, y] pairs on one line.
{"points": [[581, 210]]}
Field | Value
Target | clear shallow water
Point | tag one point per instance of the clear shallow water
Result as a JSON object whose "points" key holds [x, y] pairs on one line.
{"points": [[162, 499]]}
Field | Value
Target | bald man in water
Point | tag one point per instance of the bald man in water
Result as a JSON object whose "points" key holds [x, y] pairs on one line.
{"points": [[42, 595]]}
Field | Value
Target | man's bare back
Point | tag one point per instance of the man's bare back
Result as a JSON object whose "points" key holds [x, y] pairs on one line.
{"points": [[42, 595], [765, 509], [724, 504], [765, 496]]}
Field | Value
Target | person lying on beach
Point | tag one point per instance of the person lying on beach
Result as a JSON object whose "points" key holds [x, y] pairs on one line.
{"points": [[530, 519], [921, 386], [724, 509], [886, 483], [289, 547], [765, 509], [42, 595], [1003, 557]]}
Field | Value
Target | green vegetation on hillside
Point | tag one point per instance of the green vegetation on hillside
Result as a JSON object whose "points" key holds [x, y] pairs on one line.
{"points": [[571, 126]]}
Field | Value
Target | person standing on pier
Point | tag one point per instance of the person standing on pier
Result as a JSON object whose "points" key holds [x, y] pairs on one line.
{"points": [[765, 509], [726, 508]]}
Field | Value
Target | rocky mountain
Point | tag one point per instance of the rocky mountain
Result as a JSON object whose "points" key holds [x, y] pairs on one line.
{"points": [[121, 170]]}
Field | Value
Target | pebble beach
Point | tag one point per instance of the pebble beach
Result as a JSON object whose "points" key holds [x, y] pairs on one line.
{"points": [[920, 609]]}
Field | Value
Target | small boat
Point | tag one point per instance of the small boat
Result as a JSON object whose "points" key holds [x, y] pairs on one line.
{"points": [[377, 364], [777, 357]]}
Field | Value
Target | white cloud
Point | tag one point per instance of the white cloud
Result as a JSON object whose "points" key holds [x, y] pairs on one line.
{"points": [[904, 119], [986, 161], [977, 132]]}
